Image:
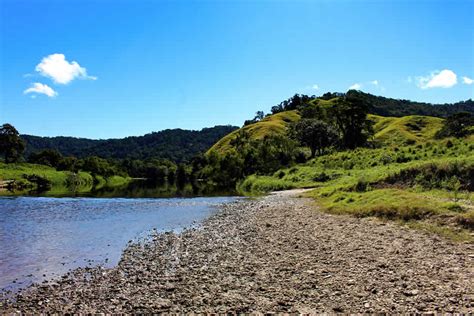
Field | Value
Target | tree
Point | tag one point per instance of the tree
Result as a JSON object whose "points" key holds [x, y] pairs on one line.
{"points": [[350, 117], [457, 125], [11, 145], [315, 134], [259, 115], [48, 157]]}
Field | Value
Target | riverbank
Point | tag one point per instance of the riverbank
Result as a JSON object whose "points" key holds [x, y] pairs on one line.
{"points": [[275, 253]]}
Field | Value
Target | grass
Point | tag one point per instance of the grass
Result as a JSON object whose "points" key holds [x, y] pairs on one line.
{"points": [[254, 185], [405, 130], [271, 125], [62, 182], [425, 185], [17, 170]]}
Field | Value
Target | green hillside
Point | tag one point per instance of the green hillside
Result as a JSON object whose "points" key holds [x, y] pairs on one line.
{"points": [[405, 130], [174, 144], [388, 130], [428, 186], [271, 125]]}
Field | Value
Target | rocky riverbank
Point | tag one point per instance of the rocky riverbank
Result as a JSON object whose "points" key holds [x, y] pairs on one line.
{"points": [[276, 253]]}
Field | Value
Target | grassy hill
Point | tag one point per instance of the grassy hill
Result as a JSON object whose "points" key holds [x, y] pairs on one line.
{"points": [[428, 186], [388, 130], [410, 176], [270, 125], [405, 130]]}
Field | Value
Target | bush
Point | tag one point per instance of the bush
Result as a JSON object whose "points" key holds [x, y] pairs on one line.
{"points": [[41, 183]]}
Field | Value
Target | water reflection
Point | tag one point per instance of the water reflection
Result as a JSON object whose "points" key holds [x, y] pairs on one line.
{"points": [[137, 188]]}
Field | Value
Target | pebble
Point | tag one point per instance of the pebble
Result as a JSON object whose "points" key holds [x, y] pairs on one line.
{"points": [[244, 259]]}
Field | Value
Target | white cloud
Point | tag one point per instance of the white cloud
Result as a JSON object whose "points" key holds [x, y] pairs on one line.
{"points": [[438, 79], [355, 86], [315, 87], [375, 82], [467, 80], [41, 89], [61, 71]]}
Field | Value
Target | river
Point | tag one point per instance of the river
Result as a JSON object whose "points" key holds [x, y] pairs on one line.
{"points": [[42, 238]]}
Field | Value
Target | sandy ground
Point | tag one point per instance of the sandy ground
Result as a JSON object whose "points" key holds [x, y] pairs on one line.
{"points": [[272, 254]]}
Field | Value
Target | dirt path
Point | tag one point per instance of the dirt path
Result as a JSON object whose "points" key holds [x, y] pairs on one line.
{"points": [[277, 254]]}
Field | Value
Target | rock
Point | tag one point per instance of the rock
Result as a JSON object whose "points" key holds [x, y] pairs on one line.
{"points": [[234, 263]]}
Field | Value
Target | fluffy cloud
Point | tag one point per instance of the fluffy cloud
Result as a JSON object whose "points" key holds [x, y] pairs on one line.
{"points": [[315, 87], [41, 89], [61, 71], [467, 80], [355, 86], [438, 79], [375, 82]]}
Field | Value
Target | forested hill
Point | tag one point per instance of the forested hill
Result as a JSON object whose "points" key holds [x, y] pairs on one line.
{"points": [[175, 144], [397, 107]]}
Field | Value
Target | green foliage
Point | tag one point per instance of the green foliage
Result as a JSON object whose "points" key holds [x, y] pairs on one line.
{"points": [[98, 166], [41, 183], [394, 107], [350, 117], [273, 125], [293, 103], [11, 145], [428, 182], [47, 157], [245, 156], [451, 175], [263, 184], [315, 134], [457, 125], [36, 177]]}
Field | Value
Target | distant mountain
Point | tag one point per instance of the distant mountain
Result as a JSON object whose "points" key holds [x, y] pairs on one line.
{"points": [[175, 144]]}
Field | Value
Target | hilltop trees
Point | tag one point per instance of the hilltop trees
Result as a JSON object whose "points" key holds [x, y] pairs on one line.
{"points": [[292, 103], [457, 125], [315, 134], [343, 122], [11, 145], [349, 115]]}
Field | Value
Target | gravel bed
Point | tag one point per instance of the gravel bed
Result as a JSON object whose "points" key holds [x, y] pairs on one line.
{"points": [[271, 254]]}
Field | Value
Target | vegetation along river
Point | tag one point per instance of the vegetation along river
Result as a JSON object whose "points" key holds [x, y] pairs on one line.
{"points": [[42, 237]]}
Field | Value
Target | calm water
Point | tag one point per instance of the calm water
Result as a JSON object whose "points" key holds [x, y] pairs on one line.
{"points": [[42, 238]]}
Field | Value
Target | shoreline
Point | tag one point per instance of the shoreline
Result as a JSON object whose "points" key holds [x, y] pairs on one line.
{"points": [[276, 253]]}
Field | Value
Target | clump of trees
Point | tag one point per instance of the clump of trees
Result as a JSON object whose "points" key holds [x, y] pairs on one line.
{"points": [[259, 115], [11, 145], [343, 124], [292, 103], [247, 156], [315, 134], [457, 125]]}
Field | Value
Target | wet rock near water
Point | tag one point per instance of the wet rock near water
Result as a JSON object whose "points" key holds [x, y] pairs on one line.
{"points": [[273, 254]]}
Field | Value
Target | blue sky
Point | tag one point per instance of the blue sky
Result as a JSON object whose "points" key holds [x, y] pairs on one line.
{"points": [[103, 69]]}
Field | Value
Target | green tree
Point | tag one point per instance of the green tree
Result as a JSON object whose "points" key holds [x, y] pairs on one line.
{"points": [[259, 115], [457, 125], [11, 145], [48, 157], [315, 134], [349, 115]]}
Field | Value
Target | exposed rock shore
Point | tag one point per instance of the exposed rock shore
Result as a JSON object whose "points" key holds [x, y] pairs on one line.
{"points": [[272, 254]]}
